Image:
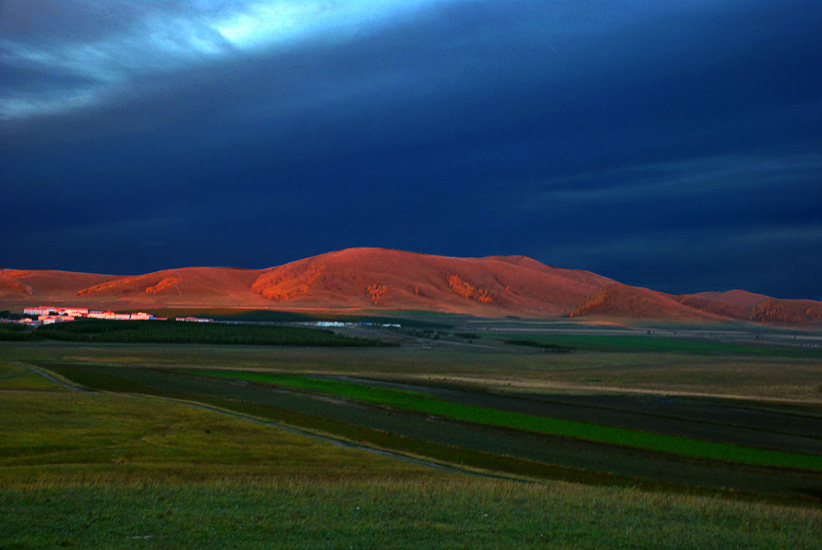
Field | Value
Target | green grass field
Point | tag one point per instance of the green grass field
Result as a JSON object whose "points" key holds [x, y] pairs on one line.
{"points": [[166, 458], [107, 471], [403, 515], [481, 428]]}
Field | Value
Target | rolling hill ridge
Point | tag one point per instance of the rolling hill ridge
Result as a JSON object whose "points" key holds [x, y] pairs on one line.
{"points": [[368, 279]]}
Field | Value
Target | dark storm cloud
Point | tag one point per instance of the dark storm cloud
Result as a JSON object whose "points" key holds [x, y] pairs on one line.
{"points": [[648, 142], [721, 223]]}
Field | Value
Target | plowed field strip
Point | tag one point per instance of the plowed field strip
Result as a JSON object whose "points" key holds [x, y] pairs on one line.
{"points": [[567, 428], [742, 423]]}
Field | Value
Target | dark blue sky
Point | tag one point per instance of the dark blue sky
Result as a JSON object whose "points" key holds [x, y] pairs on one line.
{"points": [[674, 145]]}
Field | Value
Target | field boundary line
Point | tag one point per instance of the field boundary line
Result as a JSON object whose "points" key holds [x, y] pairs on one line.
{"points": [[340, 442], [285, 427], [639, 391], [52, 378]]}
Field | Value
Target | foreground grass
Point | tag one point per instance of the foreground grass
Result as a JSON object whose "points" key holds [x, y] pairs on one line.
{"points": [[400, 515]]}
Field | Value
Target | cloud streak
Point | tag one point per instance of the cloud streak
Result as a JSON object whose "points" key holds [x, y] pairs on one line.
{"points": [[123, 42]]}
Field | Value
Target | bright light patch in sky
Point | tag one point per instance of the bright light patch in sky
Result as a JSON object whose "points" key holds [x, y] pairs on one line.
{"points": [[268, 22], [264, 23], [191, 34]]}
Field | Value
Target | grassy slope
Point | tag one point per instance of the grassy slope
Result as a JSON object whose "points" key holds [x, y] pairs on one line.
{"points": [[65, 438], [16, 377]]}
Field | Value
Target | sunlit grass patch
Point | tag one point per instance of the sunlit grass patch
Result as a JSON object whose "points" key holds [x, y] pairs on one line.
{"points": [[17, 377], [30, 382], [69, 436]]}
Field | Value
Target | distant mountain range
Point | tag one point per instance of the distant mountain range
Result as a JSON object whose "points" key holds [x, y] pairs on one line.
{"points": [[372, 279]]}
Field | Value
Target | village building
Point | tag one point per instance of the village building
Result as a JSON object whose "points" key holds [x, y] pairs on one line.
{"points": [[51, 319], [50, 314]]}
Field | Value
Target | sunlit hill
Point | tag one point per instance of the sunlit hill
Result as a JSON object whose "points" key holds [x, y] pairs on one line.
{"points": [[373, 279]]}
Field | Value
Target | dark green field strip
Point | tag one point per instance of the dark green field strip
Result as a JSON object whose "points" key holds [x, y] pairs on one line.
{"points": [[360, 392], [418, 447], [567, 428], [634, 343], [484, 460], [474, 445], [119, 380], [171, 332], [791, 418], [545, 346], [750, 424]]}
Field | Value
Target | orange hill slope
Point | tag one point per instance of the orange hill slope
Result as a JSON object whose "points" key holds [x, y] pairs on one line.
{"points": [[379, 279], [747, 306], [210, 286], [623, 301], [32, 285], [200, 286], [390, 279]]}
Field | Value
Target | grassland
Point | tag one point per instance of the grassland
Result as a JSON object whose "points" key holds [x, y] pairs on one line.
{"points": [[475, 514], [111, 471], [752, 428], [57, 437], [184, 448]]}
